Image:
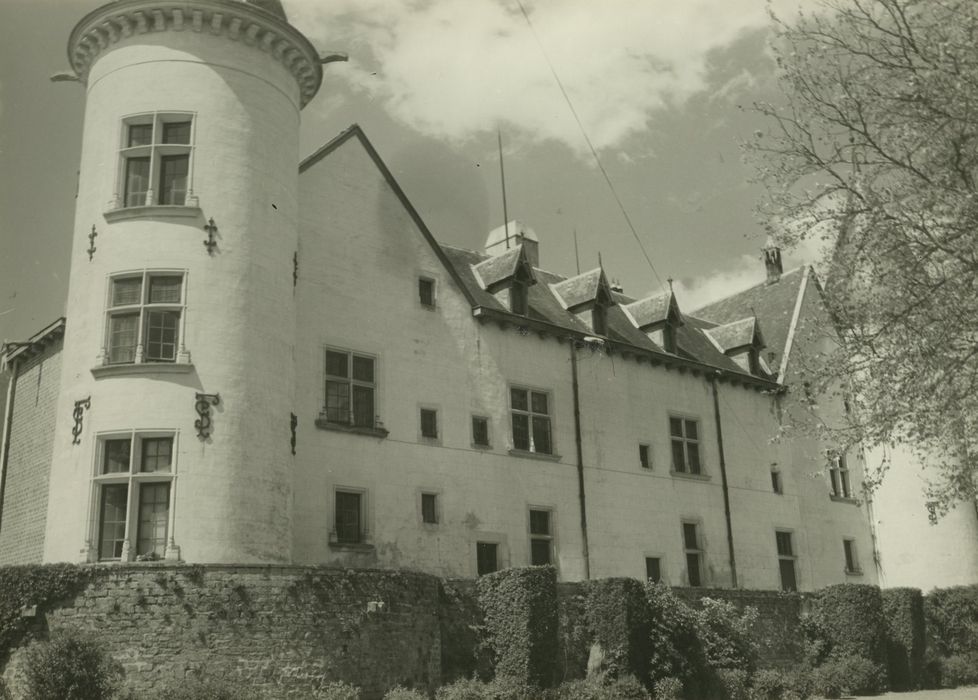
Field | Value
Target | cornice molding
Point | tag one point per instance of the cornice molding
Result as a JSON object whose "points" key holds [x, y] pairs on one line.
{"points": [[232, 19]]}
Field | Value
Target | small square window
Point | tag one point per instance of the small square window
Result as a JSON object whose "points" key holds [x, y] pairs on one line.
{"points": [[480, 431], [429, 511], [426, 292], [429, 423], [645, 456], [653, 569], [776, 481]]}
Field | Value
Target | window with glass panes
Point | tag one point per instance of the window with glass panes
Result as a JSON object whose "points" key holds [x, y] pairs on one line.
{"points": [[350, 388], [144, 317], [156, 159], [531, 420], [348, 522], [849, 549], [133, 484], [429, 423], [480, 431], [541, 537], [786, 560], [839, 475], [486, 557], [694, 554], [684, 436]]}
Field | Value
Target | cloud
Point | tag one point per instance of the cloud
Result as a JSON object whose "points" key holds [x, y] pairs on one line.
{"points": [[742, 273], [452, 69]]}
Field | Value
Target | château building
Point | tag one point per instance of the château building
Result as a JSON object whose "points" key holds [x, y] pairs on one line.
{"points": [[271, 361]]}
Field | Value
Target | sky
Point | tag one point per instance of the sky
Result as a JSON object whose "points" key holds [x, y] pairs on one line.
{"points": [[662, 88]]}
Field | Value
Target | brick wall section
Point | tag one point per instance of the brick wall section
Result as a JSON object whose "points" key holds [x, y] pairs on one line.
{"points": [[25, 498], [777, 629], [281, 628]]}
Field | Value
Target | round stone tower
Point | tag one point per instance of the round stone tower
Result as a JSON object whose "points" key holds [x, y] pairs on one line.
{"points": [[174, 418]]}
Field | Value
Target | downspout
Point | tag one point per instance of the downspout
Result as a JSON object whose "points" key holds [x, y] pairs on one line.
{"points": [[723, 480], [580, 459], [8, 419]]}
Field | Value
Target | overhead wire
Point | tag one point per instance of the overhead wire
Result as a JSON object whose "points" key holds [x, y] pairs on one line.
{"points": [[590, 145]]}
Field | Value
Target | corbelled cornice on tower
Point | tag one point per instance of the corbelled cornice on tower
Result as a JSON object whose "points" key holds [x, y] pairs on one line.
{"points": [[259, 24]]}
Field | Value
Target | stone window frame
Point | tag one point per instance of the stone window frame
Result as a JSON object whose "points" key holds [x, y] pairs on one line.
{"points": [[686, 441], [351, 424], [427, 286], [531, 449], [433, 421], [645, 460], [660, 558], [782, 536], [502, 551], [851, 554], [439, 517], [365, 538], [699, 550], [139, 364], [155, 151], [777, 481], [488, 423], [550, 536], [133, 479], [840, 485]]}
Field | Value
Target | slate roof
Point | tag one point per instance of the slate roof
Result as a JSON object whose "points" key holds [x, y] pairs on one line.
{"points": [[772, 303], [736, 334], [651, 310], [545, 306], [578, 290], [499, 268]]}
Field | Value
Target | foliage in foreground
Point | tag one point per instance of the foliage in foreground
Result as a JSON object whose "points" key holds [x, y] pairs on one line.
{"points": [[872, 149], [70, 666]]}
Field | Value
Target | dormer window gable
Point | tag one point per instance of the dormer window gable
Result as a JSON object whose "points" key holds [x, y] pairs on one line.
{"points": [[508, 277], [659, 318], [742, 341], [588, 296]]}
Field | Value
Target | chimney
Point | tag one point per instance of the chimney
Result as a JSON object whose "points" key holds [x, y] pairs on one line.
{"points": [[511, 235], [616, 286], [772, 261]]}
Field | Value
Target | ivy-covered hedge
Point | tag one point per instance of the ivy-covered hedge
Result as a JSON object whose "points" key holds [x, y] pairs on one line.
{"points": [[676, 649], [847, 620], [906, 638], [618, 619], [520, 609], [22, 587], [952, 619]]}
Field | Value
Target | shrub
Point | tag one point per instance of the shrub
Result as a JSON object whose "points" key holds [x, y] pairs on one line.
{"points": [[520, 607], [849, 674], [336, 690], [959, 669], [849, 616], [668, 689], [778, 685], [903, 610], [71, 666], [618, 619], [952, 619], [733, 683], [205, 688], [399, 693], [4, 693], [602, 687], [462, 689], [676, 651], [725, 633]]}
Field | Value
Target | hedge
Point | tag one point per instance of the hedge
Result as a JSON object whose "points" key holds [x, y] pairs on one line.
{"points": [[952, 619], [848, 618], [26, 586], [906, 637], [520, 609], [618, 620], [676, 649]]}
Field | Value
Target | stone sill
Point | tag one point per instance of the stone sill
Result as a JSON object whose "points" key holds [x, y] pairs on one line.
{"points": [[526, 454], [142, 369], [854, 572], [153, 211], [843, 499], [351, 547], [689, 475], [352, 429]]}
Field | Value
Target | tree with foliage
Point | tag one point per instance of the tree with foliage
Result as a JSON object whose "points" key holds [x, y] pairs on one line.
{"points": [[875, 149]]}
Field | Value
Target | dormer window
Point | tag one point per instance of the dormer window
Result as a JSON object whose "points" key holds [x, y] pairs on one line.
{"points": [[599, 320], [587, 296], [659, 318], [508, 276], [742, 342]]}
